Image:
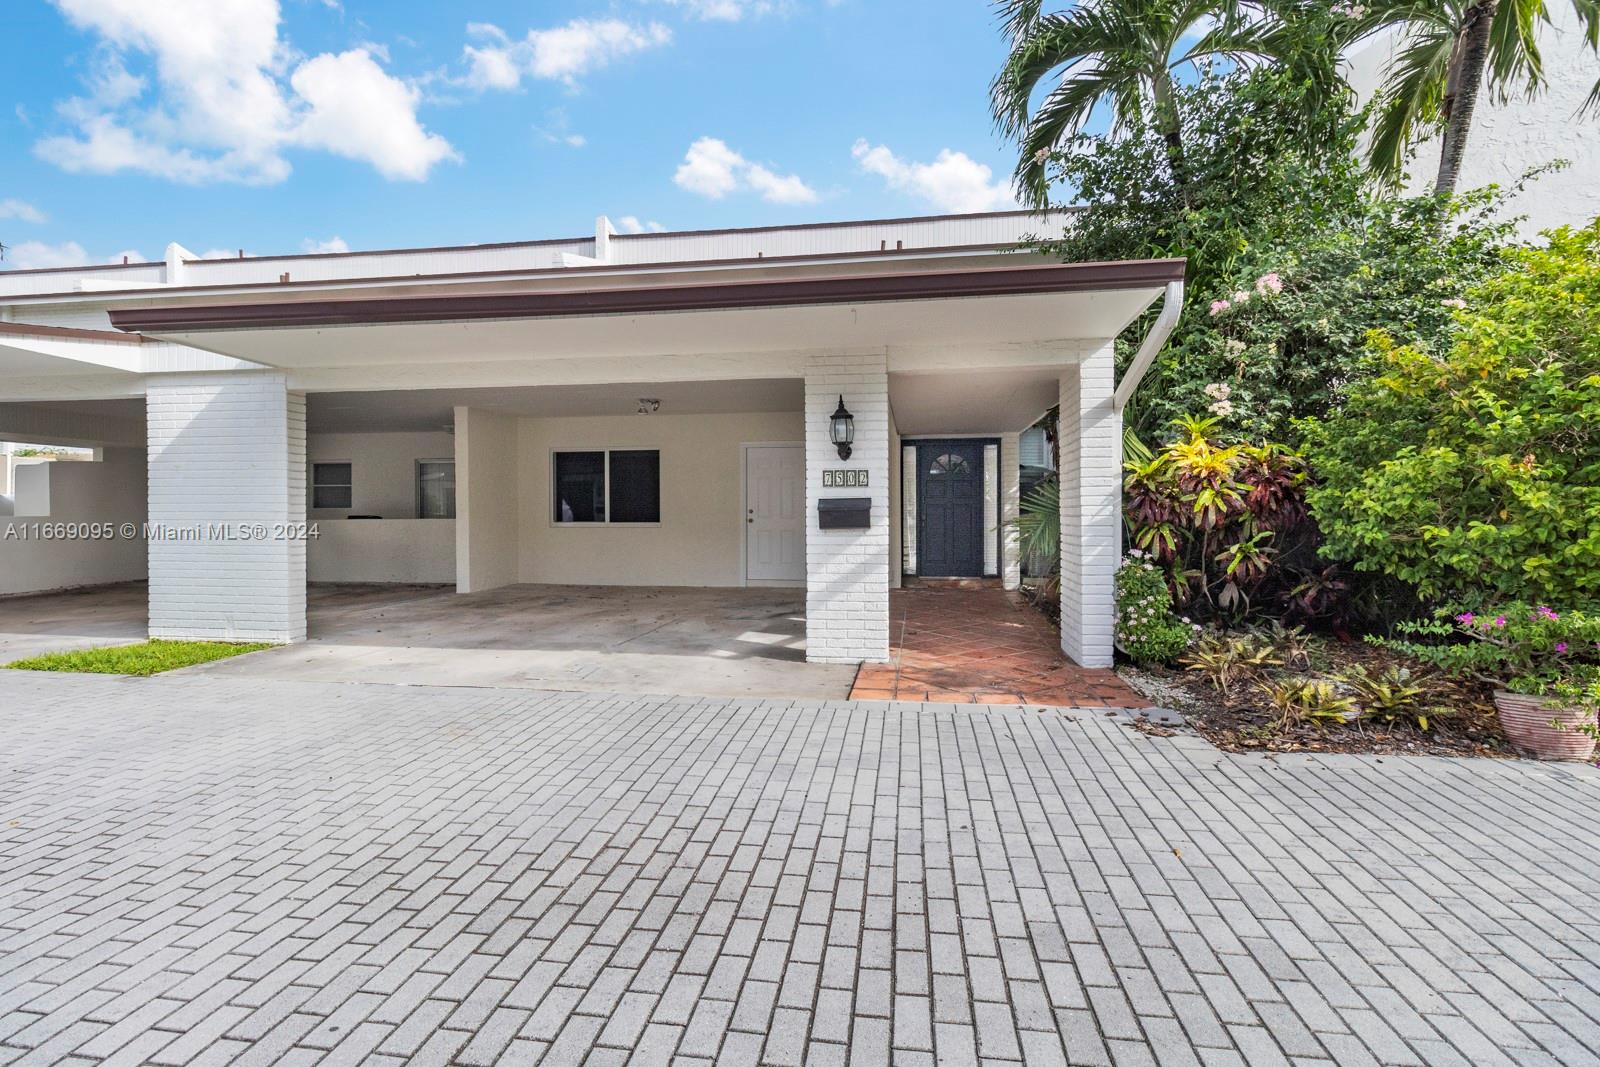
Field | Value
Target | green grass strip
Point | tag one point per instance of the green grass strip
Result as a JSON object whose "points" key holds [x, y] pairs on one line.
{"points": [[142, 660]]}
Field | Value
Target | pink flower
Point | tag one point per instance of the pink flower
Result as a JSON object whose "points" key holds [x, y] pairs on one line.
{"points": [[1465, 618], [1561, 646], [1500, 621], [1269, 283], [1455, 302], [1219, 306]]}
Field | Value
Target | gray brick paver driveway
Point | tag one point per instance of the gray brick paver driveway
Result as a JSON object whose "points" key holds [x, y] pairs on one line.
{"points": [[202, 870]]}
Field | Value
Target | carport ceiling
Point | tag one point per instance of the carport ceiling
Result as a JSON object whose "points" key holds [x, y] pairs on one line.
{"points": [[417, 410]]}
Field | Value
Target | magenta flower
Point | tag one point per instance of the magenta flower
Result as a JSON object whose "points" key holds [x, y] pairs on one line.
{"points": [[1465, 618], [1500, 621], [1561, 646]]}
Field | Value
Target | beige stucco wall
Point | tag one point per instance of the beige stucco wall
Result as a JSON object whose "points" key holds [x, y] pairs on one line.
{"points": [[384, 469], [486, 500], [700, 539]]}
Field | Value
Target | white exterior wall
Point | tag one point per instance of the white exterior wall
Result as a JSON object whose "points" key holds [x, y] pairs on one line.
{"points": [[486, 500], [847, 571], [227, 448], [1511, 137], [1090, 501], [700, 539], [1010, 506], [110, 491]]}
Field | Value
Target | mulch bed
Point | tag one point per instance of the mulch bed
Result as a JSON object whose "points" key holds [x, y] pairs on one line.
{"points": [[1244, 721]]}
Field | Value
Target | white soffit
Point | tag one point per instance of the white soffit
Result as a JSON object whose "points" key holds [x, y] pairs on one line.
{"points": [[978, 321]]}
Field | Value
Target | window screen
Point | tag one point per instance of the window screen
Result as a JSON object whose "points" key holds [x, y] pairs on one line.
{"points": [[583, 494], [436, 489], [331, 485], [636, 487], [580, 482]]}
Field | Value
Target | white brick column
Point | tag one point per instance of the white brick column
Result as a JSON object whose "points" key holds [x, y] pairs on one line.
{"points": [[847, 571], [1090, 499], [226, 450], [1010, 507]]}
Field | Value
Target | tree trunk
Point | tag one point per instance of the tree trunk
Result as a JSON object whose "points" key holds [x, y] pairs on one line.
{"points": [[1172, 133], [1467, 61]]}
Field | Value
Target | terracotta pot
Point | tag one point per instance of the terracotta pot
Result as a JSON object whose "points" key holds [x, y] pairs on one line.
{"points": [[1526, 721]]}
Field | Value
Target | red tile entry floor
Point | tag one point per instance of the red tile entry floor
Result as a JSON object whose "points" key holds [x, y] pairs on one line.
{"points": [[975, 643]]}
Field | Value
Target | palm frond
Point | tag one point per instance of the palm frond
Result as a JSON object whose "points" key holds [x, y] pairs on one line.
{"points": [[1017, 16], [1411, 99], [1514, 60]]}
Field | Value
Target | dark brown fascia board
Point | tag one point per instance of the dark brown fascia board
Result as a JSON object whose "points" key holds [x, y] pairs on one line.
{"points": [[24, 329], [655, 267], [764, 293]]}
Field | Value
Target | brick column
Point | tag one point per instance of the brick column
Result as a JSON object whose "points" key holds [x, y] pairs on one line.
{"points": [[847, 571], [225, 450], [1090, 498], [1010, 507]]}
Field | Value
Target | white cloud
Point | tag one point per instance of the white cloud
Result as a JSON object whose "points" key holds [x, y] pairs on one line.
{"points": [[727, 10], [712, 169], [631, 224], [332, 244], [229, 96], [35, 255], [561, 53], [953, 182], [358, 111], [20, 210]]}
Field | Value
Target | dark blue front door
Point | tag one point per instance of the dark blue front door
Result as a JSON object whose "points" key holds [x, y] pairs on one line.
{"points": [[950, 509]]}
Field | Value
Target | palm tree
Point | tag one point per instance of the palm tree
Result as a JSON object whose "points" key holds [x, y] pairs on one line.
{"points": [[1449, 50], [1123, 53]]}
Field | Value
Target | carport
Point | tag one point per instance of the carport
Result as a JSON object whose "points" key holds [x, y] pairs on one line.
{"points": [[648, 641]]}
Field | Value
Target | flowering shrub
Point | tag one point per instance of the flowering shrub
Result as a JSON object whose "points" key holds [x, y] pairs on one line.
{"points": [[1525, 649], [1473, 475], [1146, 628]]}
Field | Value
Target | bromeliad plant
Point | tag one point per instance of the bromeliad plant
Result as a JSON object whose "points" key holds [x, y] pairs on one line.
{"points": [[1228, 521], [1521, 648]]}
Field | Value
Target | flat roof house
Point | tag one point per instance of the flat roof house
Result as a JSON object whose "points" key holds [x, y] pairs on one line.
{"points": [[830, 406]]}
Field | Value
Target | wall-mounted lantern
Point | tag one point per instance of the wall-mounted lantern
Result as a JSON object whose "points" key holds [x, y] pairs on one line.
{"points": [[842, 428]]}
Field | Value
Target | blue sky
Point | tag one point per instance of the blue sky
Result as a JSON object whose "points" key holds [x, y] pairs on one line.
{"points": [[277, 125]]}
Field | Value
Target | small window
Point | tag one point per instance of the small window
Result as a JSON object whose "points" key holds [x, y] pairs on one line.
{"points": [[331, 486], [950, 464], [623, 486], [436, 489]]}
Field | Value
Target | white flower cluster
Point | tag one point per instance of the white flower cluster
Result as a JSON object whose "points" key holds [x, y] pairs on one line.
{"points": [[1219, 392]]}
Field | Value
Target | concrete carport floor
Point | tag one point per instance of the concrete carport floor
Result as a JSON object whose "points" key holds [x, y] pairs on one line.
{"points": [[667, 641], [64, 621]]}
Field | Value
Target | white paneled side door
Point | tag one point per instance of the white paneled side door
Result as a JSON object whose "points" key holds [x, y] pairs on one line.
{"points": [[775, 519]]}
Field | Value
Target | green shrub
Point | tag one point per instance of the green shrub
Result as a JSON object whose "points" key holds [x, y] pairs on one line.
{"points": [[1474, 476], [1146, 628], [1273, 204]]}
